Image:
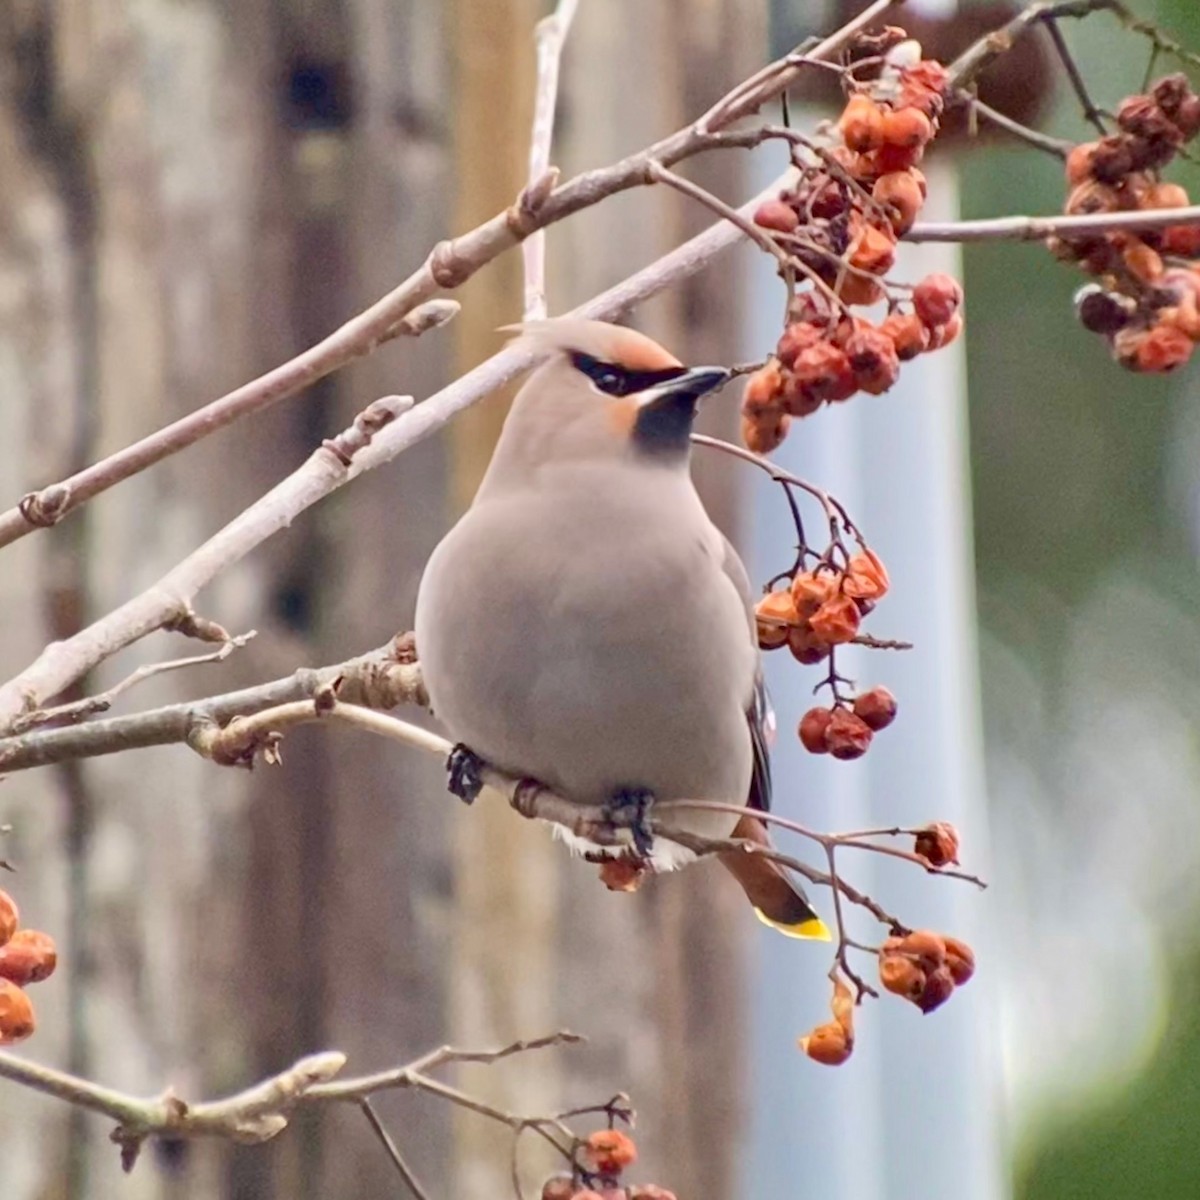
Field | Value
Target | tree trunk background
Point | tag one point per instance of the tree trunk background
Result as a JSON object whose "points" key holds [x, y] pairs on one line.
{"points": [[189, 193]]}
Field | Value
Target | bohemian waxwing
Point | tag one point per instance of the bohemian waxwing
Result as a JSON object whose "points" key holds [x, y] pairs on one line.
{"points": [[586, 625]]}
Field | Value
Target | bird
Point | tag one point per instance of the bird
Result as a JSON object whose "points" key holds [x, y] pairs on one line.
{"points": [[586, 625]]}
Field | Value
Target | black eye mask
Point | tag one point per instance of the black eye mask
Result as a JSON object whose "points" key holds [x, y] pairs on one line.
{"points": [[614, 380]]}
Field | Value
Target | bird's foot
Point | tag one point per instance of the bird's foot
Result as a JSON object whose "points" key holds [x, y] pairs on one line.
{"points": [[629, 809], [466, 773]]}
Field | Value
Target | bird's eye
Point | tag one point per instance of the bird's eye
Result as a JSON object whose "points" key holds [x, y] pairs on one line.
{"points": [[605, 376], [610, 382]]}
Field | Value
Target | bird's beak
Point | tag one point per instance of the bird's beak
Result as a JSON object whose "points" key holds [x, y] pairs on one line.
{"points": [[692, 383]]}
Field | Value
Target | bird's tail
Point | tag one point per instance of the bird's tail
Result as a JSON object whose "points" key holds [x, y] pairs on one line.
{"points": [[777, 897]]}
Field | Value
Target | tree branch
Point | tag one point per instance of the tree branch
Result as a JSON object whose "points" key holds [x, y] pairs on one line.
{"points": [[1037, 229], [448, 265]]}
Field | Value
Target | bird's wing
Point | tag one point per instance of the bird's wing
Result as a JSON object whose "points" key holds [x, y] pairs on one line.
{"points": [[759, 716]]}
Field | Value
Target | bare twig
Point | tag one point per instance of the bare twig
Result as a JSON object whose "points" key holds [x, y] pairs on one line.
{"points": [[551, 35], [1033, 137], [393, 1151], [1090, 112], [103, 701], [1037, 229]]}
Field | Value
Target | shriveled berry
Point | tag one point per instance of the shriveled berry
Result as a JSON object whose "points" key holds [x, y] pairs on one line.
{"points": [[1165, 195], [766, 431], [16, 1014], [848, 736], [800, 399], [813, 727], [941, 336], [822, 370], [939, 987], [1092, 197], [836, 621], [763, 388], [1188, 117], [828, 1044], [796, 338], [609, 1151], [1162, 348], [622, 874], [901, 976], [927, 947], [1183, 241], [558, 1187], [1143, 262], [890, 157], [937, 844], [866, 576], [873, 359], [810, 589], [960, 960], [908, 334], [936, 299], [806, 646], [900, 193], [876, 708], [774, 614], [29, 957], [855, 288], [873, 250], [10, 917], [1081, 163], [650, 1191], [861, 124], [777, 215]]}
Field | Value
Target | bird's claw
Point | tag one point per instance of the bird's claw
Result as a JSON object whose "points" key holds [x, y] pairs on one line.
{"points": [[466, 773], [630, 809]]}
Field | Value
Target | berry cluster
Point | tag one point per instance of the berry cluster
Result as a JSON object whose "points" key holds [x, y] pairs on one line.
{"points": [[840, 223], [26, 956], [1146, 301], [819, 610], [604, 1154], [925, 967]]}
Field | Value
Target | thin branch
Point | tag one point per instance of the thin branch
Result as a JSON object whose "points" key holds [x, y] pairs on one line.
{"points": [[61, 663], [1037, 229], [1059, 147], [1090, 112], [263, 1110], [393, 1151], [551, 35], [448, 265], [103, 701]]}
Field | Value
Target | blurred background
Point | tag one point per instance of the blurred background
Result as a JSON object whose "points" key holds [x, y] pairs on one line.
{"points": [[193, 190]]}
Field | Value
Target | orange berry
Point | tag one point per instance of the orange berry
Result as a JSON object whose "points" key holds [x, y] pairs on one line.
{"points": [[861, 124], [806, 646], [797, 338], [942, 335], [847, 736], [926, 947], [1161, 349], [650, 1191], [900, 192], [777, 215], [813, 727], [873, 359], [906, 127], [873, 250], [866, 577], [936, 299], [762, 388], [621, 874], [774, 614], [1080, 163], [908, 335], [799, 399], [901, 976], [939, 987], [10, 917], [823, 371], [828, 1044], [765, 432], [937, 844], [891, 158], [609, 1151], [1166, 195], [923, 85], [16, 1014], [836, 621], [1183, 241], [960, 960], [859, 289], [1143, 262], [876, 708], [29, 957], [810, 589]]}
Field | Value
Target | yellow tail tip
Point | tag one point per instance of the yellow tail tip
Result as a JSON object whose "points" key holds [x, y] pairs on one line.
{"points": [[813, 930]]}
